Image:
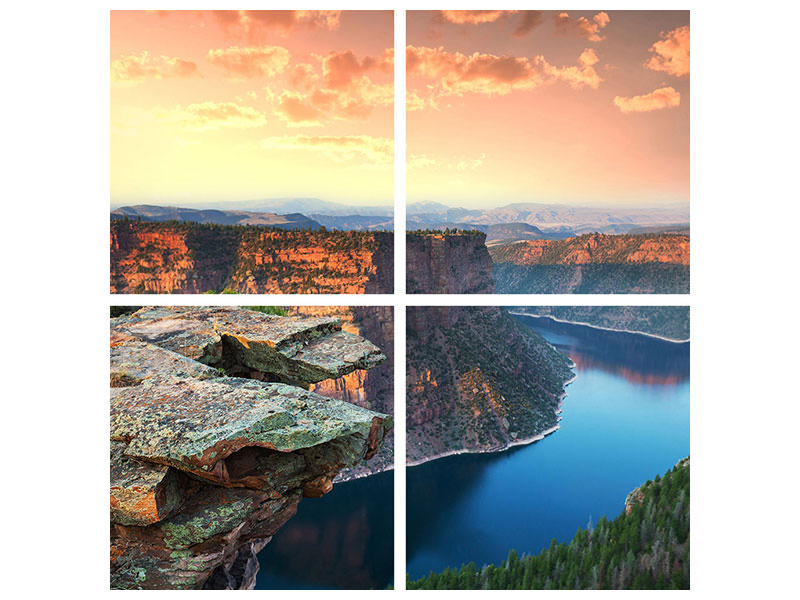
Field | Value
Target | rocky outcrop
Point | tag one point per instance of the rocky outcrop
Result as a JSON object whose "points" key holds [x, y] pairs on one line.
{"points": [[190, 258], [477, 381], [637, 496], [206, 467], [448, 263], [372, 389], [594, 263]]}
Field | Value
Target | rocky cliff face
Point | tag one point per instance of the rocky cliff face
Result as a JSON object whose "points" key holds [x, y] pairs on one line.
{"points": [[594, 263], [448, 263], [477, 381], [195, 258], [205, 466], [373, 389]]}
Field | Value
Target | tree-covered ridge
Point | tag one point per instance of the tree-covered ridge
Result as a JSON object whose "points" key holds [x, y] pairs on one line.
{"points": [[597, 248], [645, 547], [666, 321], [445, 231]]}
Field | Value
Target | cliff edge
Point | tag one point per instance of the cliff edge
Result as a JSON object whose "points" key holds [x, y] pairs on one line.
{"points": [[207, 464]]}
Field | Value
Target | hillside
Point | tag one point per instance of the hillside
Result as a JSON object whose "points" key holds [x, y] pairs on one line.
{"points": [[148, 213], [671, 322], [645, 547], [477, 380], [185, 258], [594, 263]]}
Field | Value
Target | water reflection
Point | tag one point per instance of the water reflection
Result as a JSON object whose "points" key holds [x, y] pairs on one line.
{"points": [[341, 541], [625, 418], [637, 358]]}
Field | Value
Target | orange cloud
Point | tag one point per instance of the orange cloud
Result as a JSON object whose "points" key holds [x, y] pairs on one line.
{"points": [[582, 26], [339, 148], [255, 22], [458, 73], [303, 77], [134, 69], [343, 91], [473, 17], [341, 69], [296, 112], [211, 116], [671, 53], [251, 62], [665, 97]]}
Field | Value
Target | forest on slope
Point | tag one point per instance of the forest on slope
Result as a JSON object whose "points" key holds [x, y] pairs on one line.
{"points": [[645, 547]]}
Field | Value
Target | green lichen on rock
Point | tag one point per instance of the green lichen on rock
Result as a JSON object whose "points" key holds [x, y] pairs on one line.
{"points": [[204, 464]]}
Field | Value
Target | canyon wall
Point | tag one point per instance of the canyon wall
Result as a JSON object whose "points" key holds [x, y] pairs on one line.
{"points": [[594, 264], [448, 263], [206, 467], [372, 389], [477, 380], [190, 258]]}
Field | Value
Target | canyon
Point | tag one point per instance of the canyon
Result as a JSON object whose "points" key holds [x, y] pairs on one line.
{"points": [[478, 381], [215, 437], [191, 258]]}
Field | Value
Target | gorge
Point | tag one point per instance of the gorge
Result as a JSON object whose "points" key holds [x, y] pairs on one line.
{"points": [[624, 419]]}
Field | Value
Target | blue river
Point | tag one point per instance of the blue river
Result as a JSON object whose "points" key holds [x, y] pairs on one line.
{"points": [[624, 420]]}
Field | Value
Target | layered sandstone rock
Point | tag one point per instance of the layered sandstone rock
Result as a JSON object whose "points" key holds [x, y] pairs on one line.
{"points": [[198, 258], [373, 388], [594, 264], [205, 467], [448, 263]]}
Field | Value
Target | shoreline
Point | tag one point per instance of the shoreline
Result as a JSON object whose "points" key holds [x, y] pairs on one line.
{"points": [[520, 442], [557, 320]]}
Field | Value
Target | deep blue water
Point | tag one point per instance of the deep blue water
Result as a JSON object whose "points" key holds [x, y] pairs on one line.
{"points": [[344, 540], [624, 420]]}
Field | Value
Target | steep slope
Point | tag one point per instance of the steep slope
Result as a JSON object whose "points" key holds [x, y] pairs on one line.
{"points": [[670, 322], [206, 467], [645, 547], [192, 258], [448, 262], [594, 263], [477, 380]]}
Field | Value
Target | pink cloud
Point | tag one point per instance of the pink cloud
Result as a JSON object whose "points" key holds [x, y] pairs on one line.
{"points": [[671, 53], [665, 97]]}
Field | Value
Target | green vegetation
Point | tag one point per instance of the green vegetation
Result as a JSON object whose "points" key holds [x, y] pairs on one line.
{"points": [[269, 310], [647, 278], [645, 547], [667, 321], [446, 231]]}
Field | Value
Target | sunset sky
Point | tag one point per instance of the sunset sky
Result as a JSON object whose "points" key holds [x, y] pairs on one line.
{"points": [[587, 108], [214, 106]]}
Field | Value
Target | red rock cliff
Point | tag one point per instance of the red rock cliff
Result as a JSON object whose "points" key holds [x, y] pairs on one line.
{"points": [[448, 263], [191, 258]]}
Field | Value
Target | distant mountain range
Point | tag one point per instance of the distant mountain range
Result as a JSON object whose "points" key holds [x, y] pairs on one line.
{"points": [[145, 212], [553, 221], [288, 213]]}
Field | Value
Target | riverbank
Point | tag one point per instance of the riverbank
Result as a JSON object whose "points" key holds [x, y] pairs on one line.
{"points": [[557, 320], [521, 442]]}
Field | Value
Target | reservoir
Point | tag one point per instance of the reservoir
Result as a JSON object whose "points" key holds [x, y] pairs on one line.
{"points": [[344, 540], [624, 420]]}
